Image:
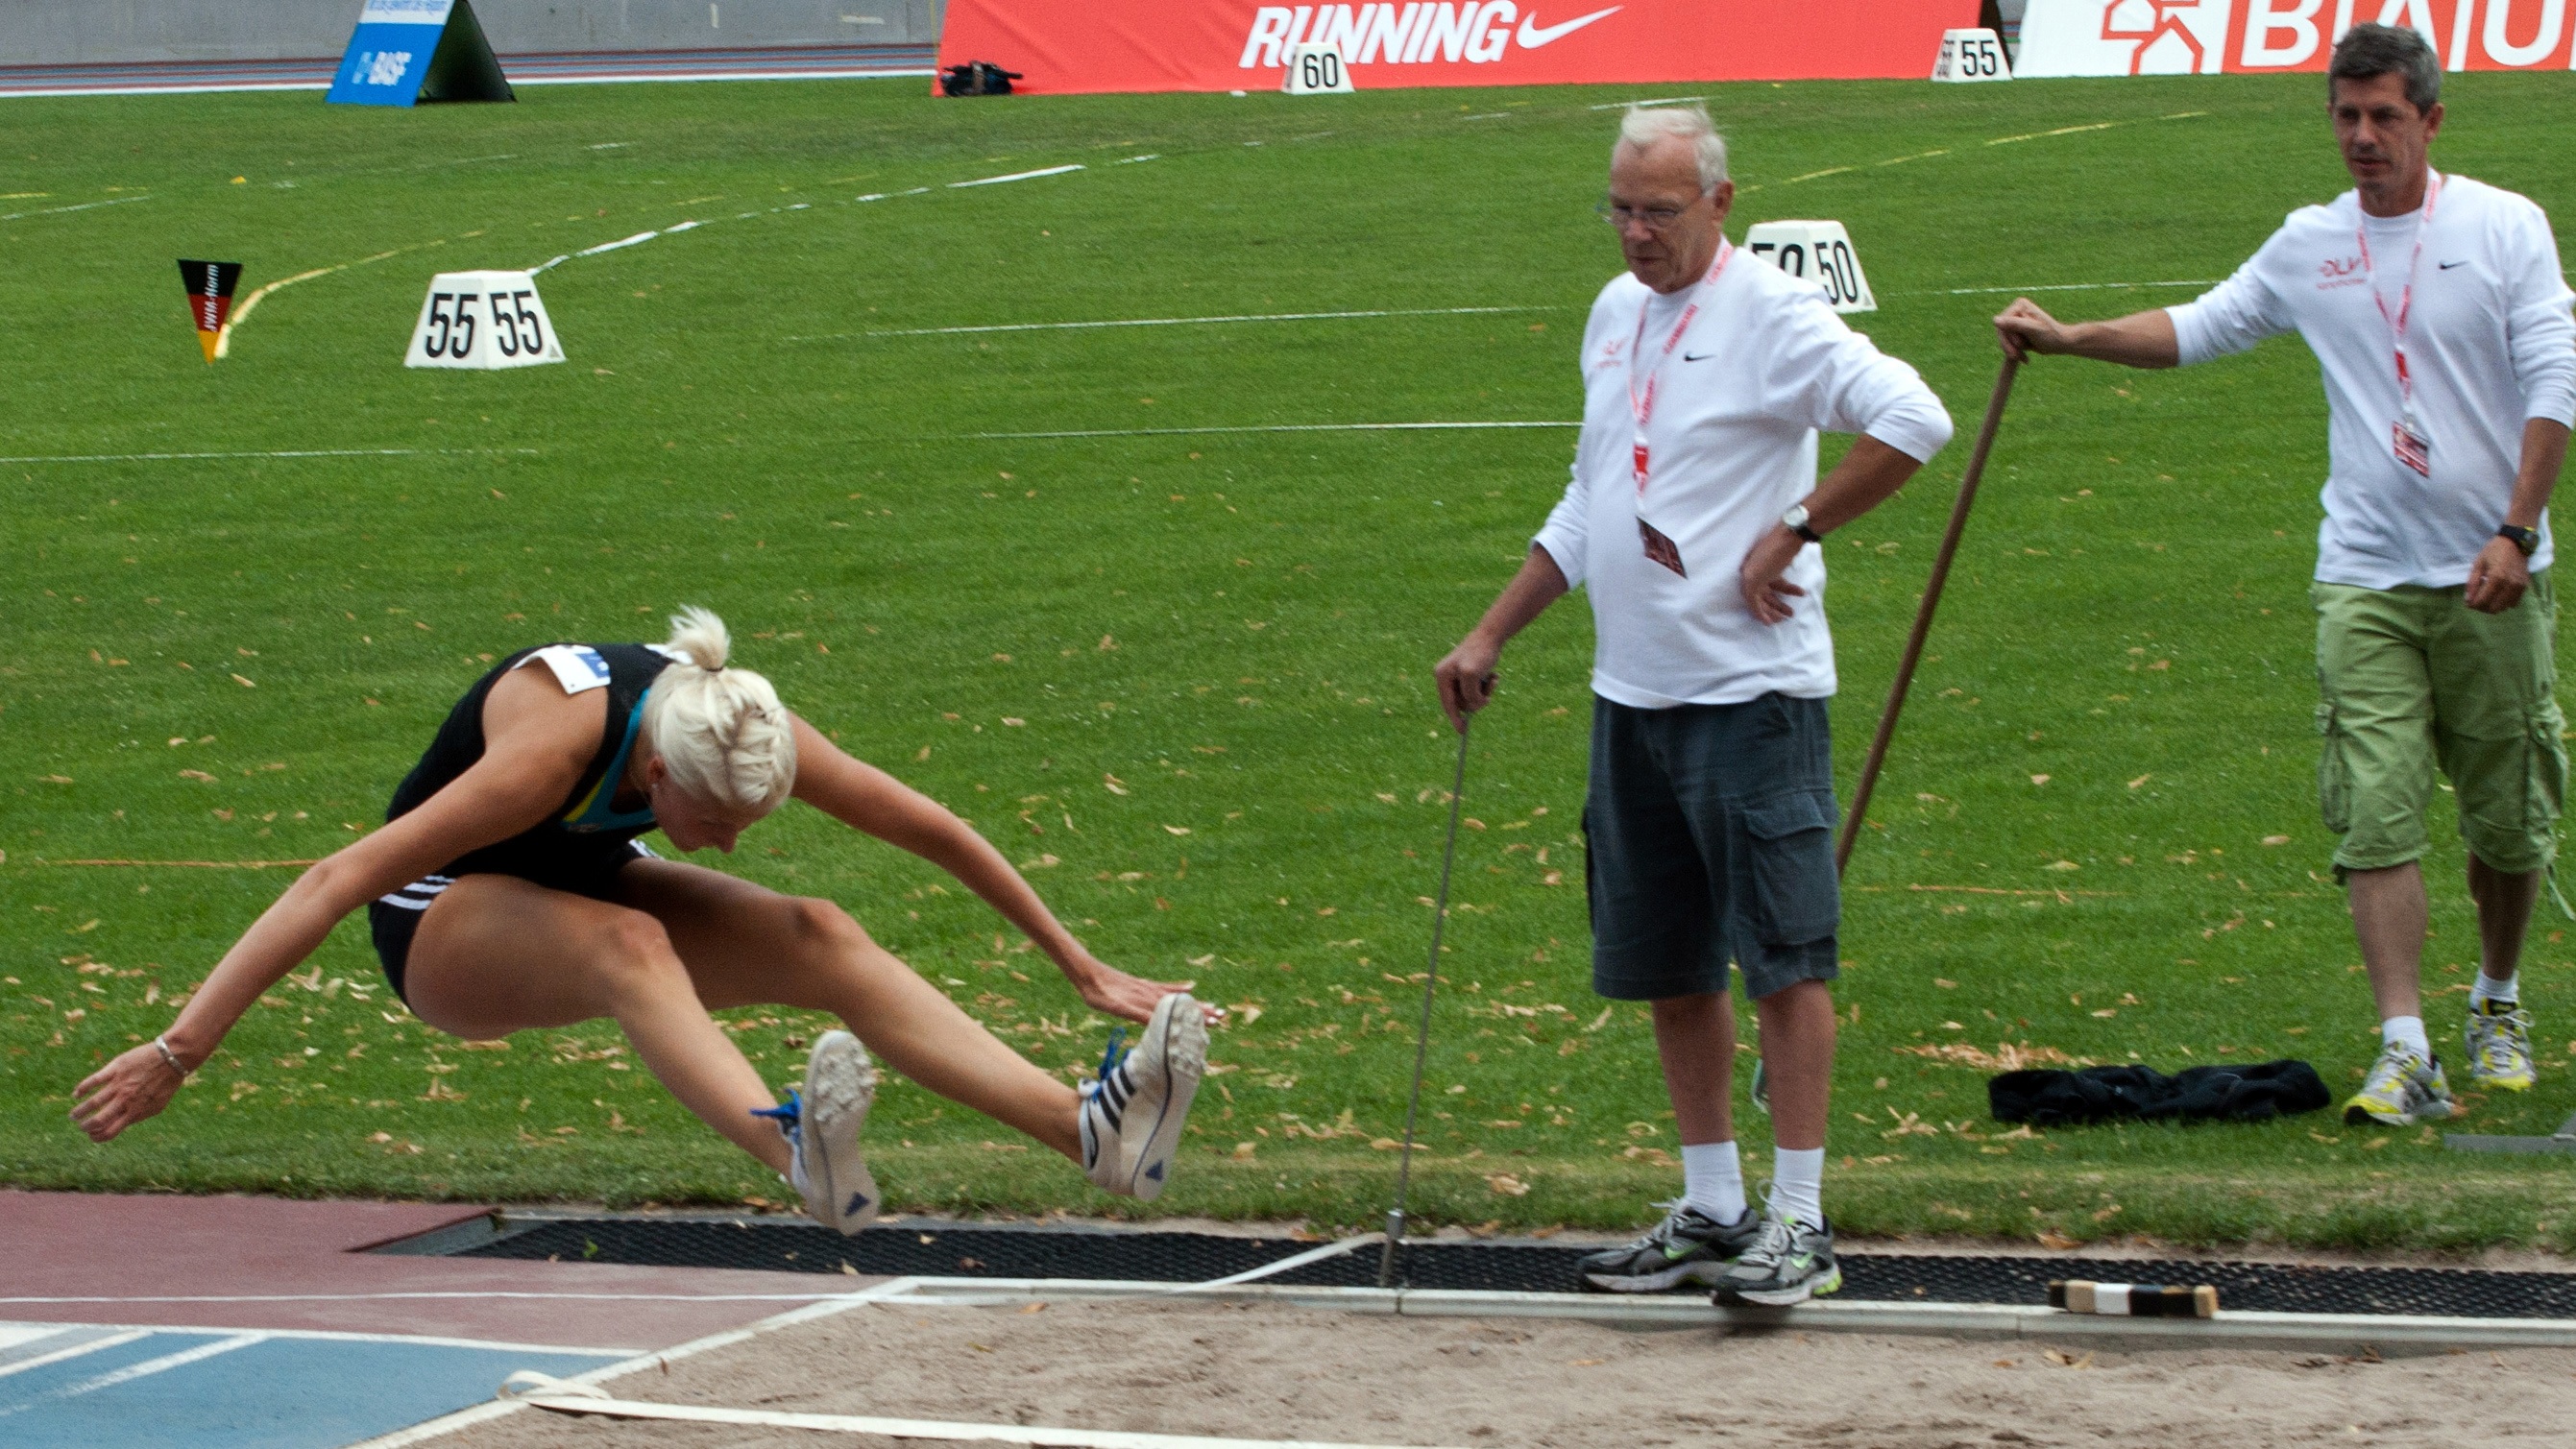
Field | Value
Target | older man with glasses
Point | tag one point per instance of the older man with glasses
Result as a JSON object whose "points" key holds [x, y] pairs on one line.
{"points": [[1693, 517]]}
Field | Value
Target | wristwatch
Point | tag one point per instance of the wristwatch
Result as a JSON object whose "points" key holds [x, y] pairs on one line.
{"points": [[1795, 520], [2526, 539]]}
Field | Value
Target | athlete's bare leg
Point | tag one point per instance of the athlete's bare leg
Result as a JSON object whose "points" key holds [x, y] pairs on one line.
{"points": [[497, 954], [745, 944]]}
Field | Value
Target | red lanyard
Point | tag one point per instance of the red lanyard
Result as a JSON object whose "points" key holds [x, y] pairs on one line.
{"points": [[1642, 405], [2405, 297]]}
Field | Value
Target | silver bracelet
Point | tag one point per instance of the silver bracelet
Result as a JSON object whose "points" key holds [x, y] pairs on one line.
{"points": [[170, 1056]]}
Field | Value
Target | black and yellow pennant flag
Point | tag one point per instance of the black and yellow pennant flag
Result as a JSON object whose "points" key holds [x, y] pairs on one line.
{"points": [[210, 298]]}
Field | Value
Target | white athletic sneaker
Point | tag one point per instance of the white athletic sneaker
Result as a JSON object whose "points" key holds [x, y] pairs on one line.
{"points": [[1131, 1117], [822, 1124]]}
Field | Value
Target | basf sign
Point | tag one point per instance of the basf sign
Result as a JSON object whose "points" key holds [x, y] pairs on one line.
{"points": [[1219, 45], [2236, 37]]}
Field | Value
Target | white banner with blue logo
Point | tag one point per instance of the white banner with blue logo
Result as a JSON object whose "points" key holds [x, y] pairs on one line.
{"points": [[389, 55]]}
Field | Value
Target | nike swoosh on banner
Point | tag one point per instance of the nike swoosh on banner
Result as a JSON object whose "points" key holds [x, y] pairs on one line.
{"points": [[1533, 35]]}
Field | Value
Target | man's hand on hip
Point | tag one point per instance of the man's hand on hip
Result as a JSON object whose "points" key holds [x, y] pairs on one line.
{"points": [[1766, 593], [2499, 578]]}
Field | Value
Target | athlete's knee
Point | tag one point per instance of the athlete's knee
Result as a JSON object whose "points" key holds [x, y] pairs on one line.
{"points": [[821, 929], [631, 953]]}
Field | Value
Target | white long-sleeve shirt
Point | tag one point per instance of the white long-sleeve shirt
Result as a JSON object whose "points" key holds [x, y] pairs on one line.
{"points": [[2489, 342], [1732, 443]]}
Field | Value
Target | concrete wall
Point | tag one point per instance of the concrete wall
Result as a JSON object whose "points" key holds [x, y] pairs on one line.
{"points": [[61, 32]]}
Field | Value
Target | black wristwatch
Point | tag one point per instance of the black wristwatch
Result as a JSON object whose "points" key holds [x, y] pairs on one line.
{"points": [[2526, 539], [1795, 520]]}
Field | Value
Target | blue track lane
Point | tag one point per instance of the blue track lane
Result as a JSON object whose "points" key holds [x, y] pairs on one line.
{"points": [[217, 1389]]}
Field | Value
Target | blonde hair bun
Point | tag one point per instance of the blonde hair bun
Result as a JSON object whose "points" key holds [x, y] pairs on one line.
{"points": [[720, 731]]}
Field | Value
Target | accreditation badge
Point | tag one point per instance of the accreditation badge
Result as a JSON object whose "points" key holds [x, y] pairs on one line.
{"points": [[1660, 549], [2407, 440]]}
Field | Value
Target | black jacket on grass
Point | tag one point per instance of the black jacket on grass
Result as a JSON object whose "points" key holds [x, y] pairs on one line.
{"points": [[2251, 1093]]}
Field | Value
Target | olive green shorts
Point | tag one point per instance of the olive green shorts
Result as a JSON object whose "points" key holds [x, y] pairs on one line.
{"points": [[2411, 677]]}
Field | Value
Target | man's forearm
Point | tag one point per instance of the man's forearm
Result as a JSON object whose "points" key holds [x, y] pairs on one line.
{"points": [[1867, 476], [2544, 452], [2141, 339], [1538, 584]]}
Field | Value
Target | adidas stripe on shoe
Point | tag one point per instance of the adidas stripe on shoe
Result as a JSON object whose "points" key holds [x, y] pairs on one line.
{"points": [[822, 1124], [1131, 1117]]}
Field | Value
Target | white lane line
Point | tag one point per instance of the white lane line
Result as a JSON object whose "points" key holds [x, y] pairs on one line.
{"points": [[829, 1297], [131, 1372], [564, 1400], [1177, 321], [2054, 287], [75, 1351], [84, 206], [127, 1333], [466, 1418], [1268, 428], [638, 239], [280, 453], [1014, 176]]}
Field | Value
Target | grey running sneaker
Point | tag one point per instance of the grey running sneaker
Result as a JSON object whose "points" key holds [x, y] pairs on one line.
{"points": [[1789, 1262], [822, 1126], [1130, 1118], [1688, 1246], [2499, 1038], [2401, 1090]]}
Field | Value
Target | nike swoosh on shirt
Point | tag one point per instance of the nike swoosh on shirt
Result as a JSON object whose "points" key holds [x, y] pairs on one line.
{"points": [[2446, 266], [1533, 35], [1697, 356]]}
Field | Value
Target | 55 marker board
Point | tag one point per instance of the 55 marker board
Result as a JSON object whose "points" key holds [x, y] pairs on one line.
{"points": [[483, 320], [1971, 55], [408, 51]]}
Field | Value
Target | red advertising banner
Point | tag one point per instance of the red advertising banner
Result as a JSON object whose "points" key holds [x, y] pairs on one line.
{"points": [[1063, 46], [2237, 37]]}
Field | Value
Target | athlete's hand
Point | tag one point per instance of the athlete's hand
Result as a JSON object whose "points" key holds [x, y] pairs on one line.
{"points": [[1113, 992], [2498, 579], [136, 1085], [2023, 329], [1766, 593], [1466, 679]]}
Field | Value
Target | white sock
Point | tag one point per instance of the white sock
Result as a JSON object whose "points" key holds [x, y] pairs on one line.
{"points": [[2409, 1031], [2508, 991], [1798, 1185], [1713, 1180]]}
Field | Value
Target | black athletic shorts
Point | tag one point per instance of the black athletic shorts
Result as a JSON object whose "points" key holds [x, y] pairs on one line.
{"points": [[1711, 834], [392, 919]]}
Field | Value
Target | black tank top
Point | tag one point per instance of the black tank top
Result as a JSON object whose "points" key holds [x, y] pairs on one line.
{"points": [[585, 830]]}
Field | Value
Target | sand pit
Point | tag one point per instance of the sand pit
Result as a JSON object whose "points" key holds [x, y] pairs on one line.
{"points": [[1268, 1372]]}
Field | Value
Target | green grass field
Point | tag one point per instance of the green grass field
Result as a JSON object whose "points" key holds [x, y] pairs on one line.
{"points": [[1186, 674]]}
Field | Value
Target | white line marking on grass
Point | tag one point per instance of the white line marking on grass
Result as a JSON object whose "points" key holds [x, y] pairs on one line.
{"points": [[638, 239], [1266, 428], [1015, 176], [1665, 101], [2054, 287], [84, 206], [280, 453], [131, 1372], [2060, 131], [75, 1351], [1157, 156], [1178, 321]]}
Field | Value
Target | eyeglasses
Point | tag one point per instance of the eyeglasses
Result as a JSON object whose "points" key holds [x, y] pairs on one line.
{"points": [[1652, 218]]}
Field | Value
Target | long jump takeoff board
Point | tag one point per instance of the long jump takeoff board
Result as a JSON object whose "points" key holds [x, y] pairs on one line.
{"points": [[408, 51], [483, 320]]}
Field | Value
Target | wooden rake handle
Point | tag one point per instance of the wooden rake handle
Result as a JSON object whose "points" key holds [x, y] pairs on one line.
{"points": [[1923, 614]]}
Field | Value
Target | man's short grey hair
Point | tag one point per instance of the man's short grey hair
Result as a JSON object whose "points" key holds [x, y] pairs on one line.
{"points": [[1643, 126], [2369, 51]]}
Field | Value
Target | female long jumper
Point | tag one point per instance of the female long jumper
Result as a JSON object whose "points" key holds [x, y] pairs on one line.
{"points": [[507, 891]]}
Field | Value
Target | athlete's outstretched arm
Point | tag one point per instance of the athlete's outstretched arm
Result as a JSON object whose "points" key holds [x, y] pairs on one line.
{"points": [[866, 798], [535, 750]]}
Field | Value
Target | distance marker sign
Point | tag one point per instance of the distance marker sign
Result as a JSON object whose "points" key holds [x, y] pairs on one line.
{"points": [[210, 299], [483, 320]]}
